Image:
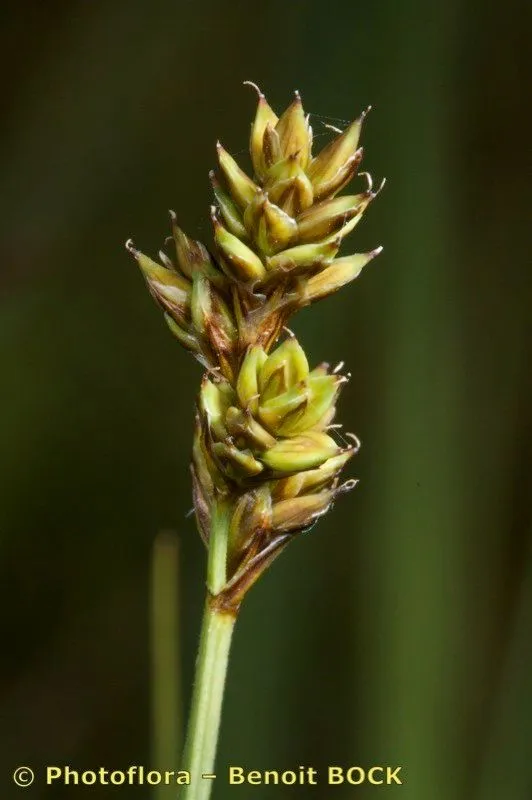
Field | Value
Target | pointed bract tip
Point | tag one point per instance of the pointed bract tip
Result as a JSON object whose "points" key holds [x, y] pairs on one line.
{"points": [[381, 187], [356, 441], [365, 113], [369, 191], [369, 181], [297, 96], [377, 251], [173, 215], [130, 247], [254, 86], [332, 127], [165, 260], [348, 486], [355, 158]]}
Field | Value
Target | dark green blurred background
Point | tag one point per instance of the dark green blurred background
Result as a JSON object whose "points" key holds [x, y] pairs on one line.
{"points": [[400, 630]]}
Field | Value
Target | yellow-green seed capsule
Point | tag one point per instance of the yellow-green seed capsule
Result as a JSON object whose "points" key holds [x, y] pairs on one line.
{"points": [[252, 215], [301, 452], [172, 299], [277, 413], [169, 289], [247, 385], [200, 304], [336, 154], [300, 512], [230, 212], [242, 423], [222, 316], [284, 170], [264, 117], [285, 488], [187, 339], [191, 256], [303, 257], [275, 230], [154, 272], [330, 187], [240, 185], [315, 479], [289, 187], [341, 271], [242, 462], [242, 262], [240, 532], [214, 404], [271, 148], [291, 358], [251, 515], [293, 133], [294, 195], [321, 395], [337, 216]]}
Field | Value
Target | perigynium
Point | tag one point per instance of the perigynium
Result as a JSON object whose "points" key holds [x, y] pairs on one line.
{"points": [[265, 460]]}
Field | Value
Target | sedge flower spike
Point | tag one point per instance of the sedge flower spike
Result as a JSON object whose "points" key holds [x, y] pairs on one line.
{"points": [[266, 455], [267, 437], [261, 445], [276, 239]]}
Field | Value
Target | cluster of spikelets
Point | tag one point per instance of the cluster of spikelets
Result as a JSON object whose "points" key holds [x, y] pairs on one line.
{"points": [[262, 442]]}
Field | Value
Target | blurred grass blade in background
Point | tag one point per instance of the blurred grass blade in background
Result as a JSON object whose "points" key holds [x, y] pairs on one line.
{"points": [[506, 770], [166, 700]]}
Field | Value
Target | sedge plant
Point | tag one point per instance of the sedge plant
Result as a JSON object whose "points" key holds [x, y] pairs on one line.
{"points": [[266, 462]]}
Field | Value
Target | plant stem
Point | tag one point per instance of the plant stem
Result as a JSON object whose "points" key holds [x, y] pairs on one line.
{"points": [[217, 561], [211, 668]]}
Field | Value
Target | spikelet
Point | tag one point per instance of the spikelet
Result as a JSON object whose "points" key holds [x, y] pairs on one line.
{"points": [[276, 239]]}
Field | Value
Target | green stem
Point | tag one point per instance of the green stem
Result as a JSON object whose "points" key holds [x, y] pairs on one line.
{"points": [[217, 560], [211, 668]]}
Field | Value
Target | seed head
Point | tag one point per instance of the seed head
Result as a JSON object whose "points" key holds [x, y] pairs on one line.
{"points": [[265, 439], [276, 240], [264, 445]]}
